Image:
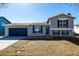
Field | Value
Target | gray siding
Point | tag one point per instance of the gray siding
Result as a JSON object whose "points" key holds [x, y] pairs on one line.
{"points": [[30, 31], [53, 23], [70, 34], [70, 23]]}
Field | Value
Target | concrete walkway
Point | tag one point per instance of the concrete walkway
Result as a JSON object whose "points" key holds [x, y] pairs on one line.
{"points": [[6, 41], [11, 38]]}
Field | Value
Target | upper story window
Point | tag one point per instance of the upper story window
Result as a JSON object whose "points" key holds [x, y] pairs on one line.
{"points": [[37, 29], [62, 23]]}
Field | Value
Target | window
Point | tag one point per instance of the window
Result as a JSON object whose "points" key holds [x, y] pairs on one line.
{"points": [[65, 23], [64, 32], [37, 29], [62, 23], [55, 32]]}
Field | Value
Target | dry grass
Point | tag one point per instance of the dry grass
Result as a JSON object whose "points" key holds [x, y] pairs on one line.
{"points": [[41, 48]]}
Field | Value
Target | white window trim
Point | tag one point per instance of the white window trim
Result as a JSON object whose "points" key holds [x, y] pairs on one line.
{"points": [[61, 28], [62, 23], [62, 18]]}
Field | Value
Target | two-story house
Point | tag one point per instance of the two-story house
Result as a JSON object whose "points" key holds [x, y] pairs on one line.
{"points": [[3, 22], [61, 25]]}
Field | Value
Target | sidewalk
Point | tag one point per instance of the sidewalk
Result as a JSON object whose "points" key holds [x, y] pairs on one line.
{"points": [[6, 41]]}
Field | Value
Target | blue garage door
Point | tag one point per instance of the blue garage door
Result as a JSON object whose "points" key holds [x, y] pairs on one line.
{"points": [[17, 31]]}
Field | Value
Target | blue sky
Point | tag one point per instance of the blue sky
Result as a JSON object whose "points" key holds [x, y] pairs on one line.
{"points": [[38, 12]]}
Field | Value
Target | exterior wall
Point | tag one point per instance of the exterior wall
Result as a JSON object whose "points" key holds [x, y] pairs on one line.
{"points": [[29, 29], [2, 28], [53, 21], [53, 24], [7, 29], [71, 34], [71, 23]]}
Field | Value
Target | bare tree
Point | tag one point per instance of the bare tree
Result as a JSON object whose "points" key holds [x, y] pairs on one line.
{"points": [[74, 7], [3, 5]]}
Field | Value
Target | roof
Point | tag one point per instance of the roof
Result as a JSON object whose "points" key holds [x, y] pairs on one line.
{"points": [[26, 24], [5, 19], [61, 14]]}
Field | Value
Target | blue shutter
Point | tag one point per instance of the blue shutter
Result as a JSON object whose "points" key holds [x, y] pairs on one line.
{"points": [[41, 29], [67, 22], [58, 23], [33, 29]]}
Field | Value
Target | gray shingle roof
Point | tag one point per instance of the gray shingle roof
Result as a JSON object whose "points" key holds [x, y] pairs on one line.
{"points": [[1, 17], [61, 14], [26, 24]]}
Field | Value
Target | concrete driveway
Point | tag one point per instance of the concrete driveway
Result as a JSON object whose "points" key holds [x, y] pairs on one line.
{"points": [[6, 41], [11, 38]]}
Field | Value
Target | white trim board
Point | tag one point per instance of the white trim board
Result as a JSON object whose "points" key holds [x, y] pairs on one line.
{"points": [[62, 18], [61, 29]]}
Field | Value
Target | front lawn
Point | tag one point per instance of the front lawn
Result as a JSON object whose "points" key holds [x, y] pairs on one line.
{"points": [[45, 47]]}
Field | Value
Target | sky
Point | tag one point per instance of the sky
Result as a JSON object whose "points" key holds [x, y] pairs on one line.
{"points": [[37, 12]]}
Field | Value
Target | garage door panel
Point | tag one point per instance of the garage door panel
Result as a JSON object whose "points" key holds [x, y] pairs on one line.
{"points": [[17, 31]]}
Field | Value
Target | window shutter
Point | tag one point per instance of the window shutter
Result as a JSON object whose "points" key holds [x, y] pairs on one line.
{"points": [[41, 29], [67, 32], [67, 23], [58, 23], [62, 32], [33, 29]]}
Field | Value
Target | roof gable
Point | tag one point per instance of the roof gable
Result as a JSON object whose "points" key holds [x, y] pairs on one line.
{"points": [[69, 16], [60, 15], [4, 19]]}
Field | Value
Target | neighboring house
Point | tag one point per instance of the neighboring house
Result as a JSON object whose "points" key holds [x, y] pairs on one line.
{"points": [[61, 25], [3, 22], [76, 29]]}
